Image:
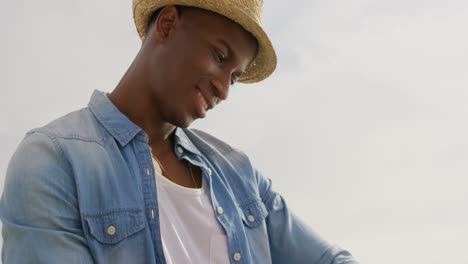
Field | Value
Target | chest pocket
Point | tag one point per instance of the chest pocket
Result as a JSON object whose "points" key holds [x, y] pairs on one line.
{"points": [[253, 216], [253, 213], [114, 236]]}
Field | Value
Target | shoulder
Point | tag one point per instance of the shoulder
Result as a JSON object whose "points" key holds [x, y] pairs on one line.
{"points": [[210, 144], [205, 139], [222, 152], [37, 169], [77, 125], [250, 185], [219, 151], [43, 149]]}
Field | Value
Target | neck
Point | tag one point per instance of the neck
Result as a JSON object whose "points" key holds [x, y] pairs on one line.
{"points": [[132, 98]]}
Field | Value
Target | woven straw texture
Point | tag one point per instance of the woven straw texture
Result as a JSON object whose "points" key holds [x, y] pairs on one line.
{"points": [[246, 13]]}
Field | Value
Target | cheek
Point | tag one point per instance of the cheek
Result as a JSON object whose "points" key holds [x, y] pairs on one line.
{"points": [[202, 65], [212, 67], [192, 62]]}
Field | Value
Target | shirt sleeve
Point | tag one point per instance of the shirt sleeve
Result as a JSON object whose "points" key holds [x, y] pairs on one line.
{"points": [[291, 240], [39, 207]]}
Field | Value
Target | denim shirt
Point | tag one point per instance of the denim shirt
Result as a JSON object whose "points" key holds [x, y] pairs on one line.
{"points": [[82, 190]]}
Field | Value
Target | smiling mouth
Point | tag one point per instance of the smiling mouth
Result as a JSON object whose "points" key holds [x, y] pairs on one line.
{"points": [[203, 101]]}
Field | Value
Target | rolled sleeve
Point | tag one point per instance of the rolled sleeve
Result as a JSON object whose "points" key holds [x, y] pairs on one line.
{"points": [[39, 207]]}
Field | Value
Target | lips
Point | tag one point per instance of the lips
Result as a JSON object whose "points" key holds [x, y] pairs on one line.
{"points": [[202, 101], [201, 104], [208, 98], [206, 101]]}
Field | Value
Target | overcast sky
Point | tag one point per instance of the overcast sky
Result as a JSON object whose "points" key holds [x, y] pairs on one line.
{"points": [[363, 127]]}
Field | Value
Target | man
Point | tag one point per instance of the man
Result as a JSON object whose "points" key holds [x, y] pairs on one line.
{"points": [[125, 181]]}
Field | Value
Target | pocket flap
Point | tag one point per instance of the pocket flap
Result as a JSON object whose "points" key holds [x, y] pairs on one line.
{"points": [[253, 213], [112, 226]]}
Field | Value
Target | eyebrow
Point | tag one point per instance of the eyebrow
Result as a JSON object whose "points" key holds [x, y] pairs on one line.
{"points": [[231, 53], [230, 50]]}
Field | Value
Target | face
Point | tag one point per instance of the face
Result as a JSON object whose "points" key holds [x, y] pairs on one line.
{"points": [[197, 56]]}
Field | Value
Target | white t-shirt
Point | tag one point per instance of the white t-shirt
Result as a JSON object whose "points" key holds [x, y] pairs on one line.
{"points": [[190, 231]]}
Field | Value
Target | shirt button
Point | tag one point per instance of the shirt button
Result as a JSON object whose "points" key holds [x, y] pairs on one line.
{"points": [[251, 218], [209, 171], [219, 210], [111, 230], [237, 256], [152, 213], [180, 149], [148, 171]]}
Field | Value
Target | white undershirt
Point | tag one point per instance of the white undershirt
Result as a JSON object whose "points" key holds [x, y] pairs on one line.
{"points": [[190, 231]]}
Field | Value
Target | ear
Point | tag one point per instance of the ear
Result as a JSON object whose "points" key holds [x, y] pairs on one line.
{"points": [[166, 22]]}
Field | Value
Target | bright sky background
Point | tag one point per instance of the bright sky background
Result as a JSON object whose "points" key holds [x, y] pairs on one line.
{"points": [[363, 127]]}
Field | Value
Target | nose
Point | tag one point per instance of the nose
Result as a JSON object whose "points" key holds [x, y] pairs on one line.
{"points": [[222, 83]]}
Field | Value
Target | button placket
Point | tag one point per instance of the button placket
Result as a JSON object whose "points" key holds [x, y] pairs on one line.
{"points": [[148, 170]]}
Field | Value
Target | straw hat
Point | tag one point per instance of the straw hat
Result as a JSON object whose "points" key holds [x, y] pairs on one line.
{"points": [[246, 13]]}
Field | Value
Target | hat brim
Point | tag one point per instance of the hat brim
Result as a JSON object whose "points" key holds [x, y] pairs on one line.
{"points": [[265, 61]]}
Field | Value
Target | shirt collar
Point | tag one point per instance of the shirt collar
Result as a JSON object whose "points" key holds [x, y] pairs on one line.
{"points": [[122, 128], [118, 124], [183, 140]]}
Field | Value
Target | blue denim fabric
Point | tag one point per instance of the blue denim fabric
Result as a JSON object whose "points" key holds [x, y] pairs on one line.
{"points": [[82, 190]]}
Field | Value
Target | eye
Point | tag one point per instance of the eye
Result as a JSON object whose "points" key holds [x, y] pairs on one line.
{"points": [[219, 56]]}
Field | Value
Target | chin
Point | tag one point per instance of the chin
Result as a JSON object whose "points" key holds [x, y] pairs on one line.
{"points": [[184, 123], [182, 120]]}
